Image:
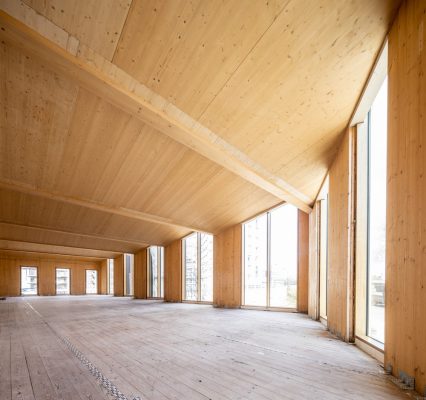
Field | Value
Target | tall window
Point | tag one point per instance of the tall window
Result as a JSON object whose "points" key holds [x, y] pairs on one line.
{"points": [[270, 259], [198, 267], [29, 281], [111, 276], [63, 281], [376, 227], [156, 271], [91, 281], [323, 248], [128, 274]]}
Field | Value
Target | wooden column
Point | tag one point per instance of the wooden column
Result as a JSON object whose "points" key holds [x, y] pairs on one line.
{"points": [[340, 282], [140, 269], [227, 281], [119, 275], [303, 262], [103, 281], [173, 272], [314, 272], [405, 341]]}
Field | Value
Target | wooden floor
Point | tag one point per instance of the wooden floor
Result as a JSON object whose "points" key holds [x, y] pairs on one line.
{"points": [[175, 351]]}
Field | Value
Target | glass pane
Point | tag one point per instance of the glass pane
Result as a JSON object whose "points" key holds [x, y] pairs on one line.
{"points": [[28, 280], [162, 271], [255, 261], [91, 281], [153, 271], [206, 267], [111, 276], [377, 216], [190, 248], [62, 281], [128, 275], [283, 284], [323, 247]]}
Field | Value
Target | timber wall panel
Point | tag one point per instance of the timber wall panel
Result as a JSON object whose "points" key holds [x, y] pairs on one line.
{"points": [[10, 266], [141, 289], [406, 196], [340, 278], [303, 262], [119, 275], [173, 272], [227, 281], [104, 277]]}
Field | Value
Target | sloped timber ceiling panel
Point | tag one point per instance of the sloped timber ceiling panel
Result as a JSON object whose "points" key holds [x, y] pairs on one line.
{"points": [[64, 139], [276, 79]]}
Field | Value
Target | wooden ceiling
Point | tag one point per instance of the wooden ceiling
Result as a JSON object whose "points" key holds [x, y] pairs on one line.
{"points": [[129, 123]]}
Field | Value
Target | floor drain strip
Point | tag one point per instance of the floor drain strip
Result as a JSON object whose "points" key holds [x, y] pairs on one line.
{"points": [[104, 381]]}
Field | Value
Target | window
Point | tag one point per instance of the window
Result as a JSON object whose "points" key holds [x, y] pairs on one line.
{"points": [[29, 281], [128, 274], [63, 282], [198, 267], [156, 272], [376, 214], [271, 259], [111, 276], [323, 248], [91, 281]]}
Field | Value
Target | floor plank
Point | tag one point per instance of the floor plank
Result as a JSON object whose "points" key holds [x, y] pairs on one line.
{"points": [[167, 351]]}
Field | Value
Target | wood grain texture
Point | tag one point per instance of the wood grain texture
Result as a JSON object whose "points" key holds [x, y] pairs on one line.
{"points": [[188, 351], [227, 281], [303, 262], [119, 275], [406, 196], [140, 278], [103, 277], [10, 272], [340, 272], [173, 272], [248, 73], [98, 24]]}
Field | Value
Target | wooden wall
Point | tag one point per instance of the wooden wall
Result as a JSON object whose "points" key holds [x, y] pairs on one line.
{"points": [[140, 278], [406, 197], [173, 271], [103, 277], [340, 243], [10, 265], [228, 268], [119, 275], [303, 262]]}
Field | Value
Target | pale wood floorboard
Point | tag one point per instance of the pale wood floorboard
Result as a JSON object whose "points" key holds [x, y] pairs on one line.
{"points": [[176, 351]]}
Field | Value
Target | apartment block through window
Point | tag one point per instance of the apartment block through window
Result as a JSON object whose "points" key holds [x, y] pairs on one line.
{"points": [[156, 272], [29, 281], [128, 274], [271, 259], [63, 281], [198, 267], [91, 281]]}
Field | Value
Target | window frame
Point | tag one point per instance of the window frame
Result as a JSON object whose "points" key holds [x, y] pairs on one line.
{"points": [[268, 307], [85, 281], [160, 272], [198, 258], [56, 281], [20, 280]]}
